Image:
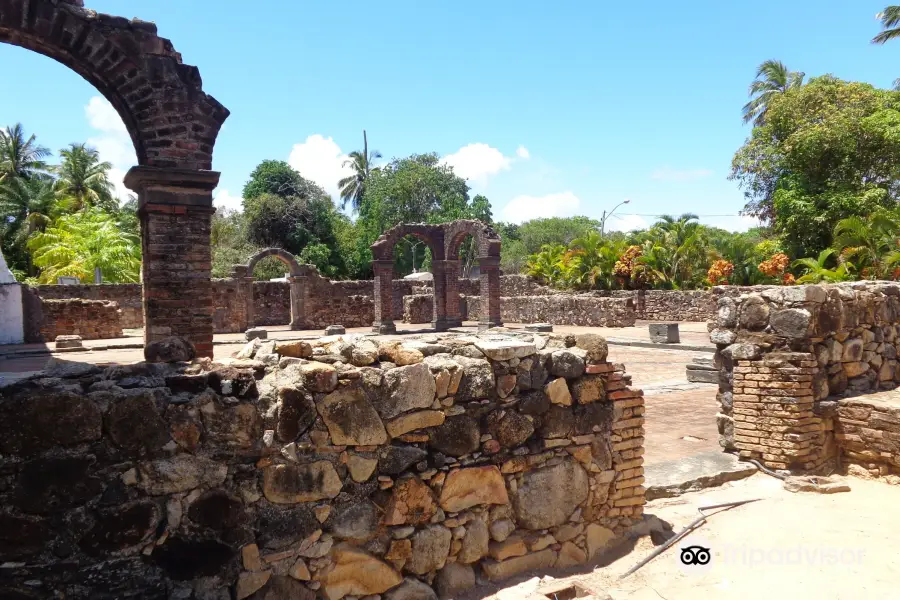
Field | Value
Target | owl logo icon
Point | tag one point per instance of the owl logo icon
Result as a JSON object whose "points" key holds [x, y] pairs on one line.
{"points": [[695, 555]]}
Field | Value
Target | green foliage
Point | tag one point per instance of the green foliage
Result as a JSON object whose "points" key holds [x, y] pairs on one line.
{"points": [[74, 245], [772, 78], [278, 178], [815, 270], [828, 150], [536, 233], [353, 188], [871, 245], [20, 156], [82, 181]]}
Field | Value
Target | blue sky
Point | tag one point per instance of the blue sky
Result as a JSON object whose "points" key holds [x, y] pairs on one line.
{"points": [[547, 108]]}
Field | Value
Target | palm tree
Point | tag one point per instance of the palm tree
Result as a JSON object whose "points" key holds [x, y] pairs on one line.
{"points": [[20, 157], [78, 243], [29, 203], [772, 78], [353, 188], [83, 181], [890, 19], [871, 245], [817, 271]]}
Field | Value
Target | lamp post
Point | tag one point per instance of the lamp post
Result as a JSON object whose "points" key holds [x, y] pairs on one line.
{"points": [[605, 215]]}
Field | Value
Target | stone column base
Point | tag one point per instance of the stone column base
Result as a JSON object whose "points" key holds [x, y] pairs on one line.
{"points": [[384, 327]]}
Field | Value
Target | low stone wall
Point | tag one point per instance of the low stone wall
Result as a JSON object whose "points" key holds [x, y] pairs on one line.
{"points": [[126, 295], [562, 309], [867, 429], [339, 475], [271, 303], [788, 354], [91, 319]]}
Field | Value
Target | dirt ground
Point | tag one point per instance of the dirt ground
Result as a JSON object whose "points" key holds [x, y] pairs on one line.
{"points": [[840, 546]]}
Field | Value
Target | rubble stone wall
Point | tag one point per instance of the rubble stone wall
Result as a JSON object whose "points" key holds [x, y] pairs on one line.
{"points": [[338, 468], [788, 355], [126, 295], [562, 309], [91, 319]]}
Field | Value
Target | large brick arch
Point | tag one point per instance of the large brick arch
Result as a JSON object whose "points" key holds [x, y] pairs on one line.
{"points": [[444, 240], [173, 125], [284, 256], [172, 122]]}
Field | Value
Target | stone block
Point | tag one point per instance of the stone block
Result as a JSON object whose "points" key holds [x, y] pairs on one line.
{"points": [[69, 342], [256, 333], [335, 330], [539, 327], [664, 333]]}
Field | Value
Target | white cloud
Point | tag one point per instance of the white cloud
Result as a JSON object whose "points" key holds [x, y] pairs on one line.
{"points": [[477, 162], [523, 153], [524, 208], [735, 223], [112, 142], [680, 175], [625, 223], [224, 200], [321, 160]]}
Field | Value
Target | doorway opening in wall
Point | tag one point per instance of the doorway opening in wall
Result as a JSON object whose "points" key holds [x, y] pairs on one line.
{"points": [[67, 221]]}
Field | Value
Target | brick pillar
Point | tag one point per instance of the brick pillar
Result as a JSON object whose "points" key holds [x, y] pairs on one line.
{"points": [[490, 293], [175, 208], [439, 294], [298, 302], [774, 421], [384, 295], [453, 317]]}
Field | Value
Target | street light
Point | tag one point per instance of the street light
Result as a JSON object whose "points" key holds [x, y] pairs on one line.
{"points": [[605, 215]]}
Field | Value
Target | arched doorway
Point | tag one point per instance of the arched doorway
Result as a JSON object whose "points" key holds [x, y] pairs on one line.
{"points": [[173, 125], [444, 241], [383, 268], [297, 280], [487, 250]]}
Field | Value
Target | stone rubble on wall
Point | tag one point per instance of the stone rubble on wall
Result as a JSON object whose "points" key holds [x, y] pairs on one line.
{"points": [[786, 357], [563, 309], [345, 467]]}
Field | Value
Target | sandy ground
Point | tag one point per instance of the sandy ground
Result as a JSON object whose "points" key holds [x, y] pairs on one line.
{"points": [[841, 546]]}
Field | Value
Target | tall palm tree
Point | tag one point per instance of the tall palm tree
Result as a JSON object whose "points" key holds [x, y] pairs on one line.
{"points": [[29, 203], [82, 180], [20, 157], [353, 188], [772, 78]]}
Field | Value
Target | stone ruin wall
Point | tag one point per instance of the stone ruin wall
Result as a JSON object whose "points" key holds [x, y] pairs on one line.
{"points": [[796, 366], [334, 469], [351, 303], [562, 309], [91, 319]]}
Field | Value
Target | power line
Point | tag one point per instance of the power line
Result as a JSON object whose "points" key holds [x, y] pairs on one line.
{"points": [[664, 214]]}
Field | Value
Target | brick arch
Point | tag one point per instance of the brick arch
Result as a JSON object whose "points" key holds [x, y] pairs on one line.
{"points": [[173, 125], [172, 122], [433, 235], [486, 238], [283, 255], [444, 240]]}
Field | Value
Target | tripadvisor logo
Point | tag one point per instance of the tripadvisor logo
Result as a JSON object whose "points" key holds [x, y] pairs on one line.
{"points": [[694, 555]]}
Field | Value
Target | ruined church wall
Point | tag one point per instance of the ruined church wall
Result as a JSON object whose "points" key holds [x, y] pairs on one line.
{"points": [[314, 478], [796, 364]]}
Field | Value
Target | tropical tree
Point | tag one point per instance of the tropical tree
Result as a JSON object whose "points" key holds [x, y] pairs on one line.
{"points": [[77, 244], [27, 203], [890, 19], [20, 156], [816, 270], [594, 260], [83, 180], [772, 78], [353, 187], [548, 265], [871, 244]]}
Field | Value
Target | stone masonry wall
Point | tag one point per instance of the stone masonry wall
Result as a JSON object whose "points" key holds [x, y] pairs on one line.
{"points": [[126, 295], [91, 319], [787, 355], [271, 303], [418, 308], [562, 309], [341, 468]]}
